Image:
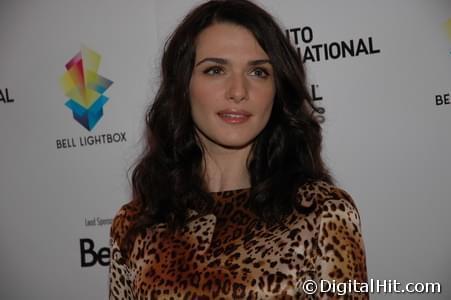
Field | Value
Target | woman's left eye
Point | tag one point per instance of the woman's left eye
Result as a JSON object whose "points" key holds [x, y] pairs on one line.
{"points": [[259, 72]]}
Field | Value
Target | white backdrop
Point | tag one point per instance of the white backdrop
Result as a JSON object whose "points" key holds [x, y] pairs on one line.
{"points": [[386, 139]]}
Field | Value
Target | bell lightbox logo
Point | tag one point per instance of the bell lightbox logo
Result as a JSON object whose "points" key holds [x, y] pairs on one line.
{"points": [[85, 87], [444, 98]]}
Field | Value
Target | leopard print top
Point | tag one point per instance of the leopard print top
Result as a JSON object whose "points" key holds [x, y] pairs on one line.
{"points": [[230, 254]]}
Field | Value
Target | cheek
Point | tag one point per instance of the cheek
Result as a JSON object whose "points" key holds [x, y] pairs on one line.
{"points": [[201, 95], [266, 99]]}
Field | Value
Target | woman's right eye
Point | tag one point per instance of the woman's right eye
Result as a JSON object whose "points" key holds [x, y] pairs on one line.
{"points": [[214, 70]]}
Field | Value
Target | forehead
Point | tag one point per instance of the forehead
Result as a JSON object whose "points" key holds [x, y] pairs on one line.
{"points": [[228, 41]]}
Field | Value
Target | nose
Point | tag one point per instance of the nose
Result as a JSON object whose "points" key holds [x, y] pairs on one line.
{"points": [[237, 88]]}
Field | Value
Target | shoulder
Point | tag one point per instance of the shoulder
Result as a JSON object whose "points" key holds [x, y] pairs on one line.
{"points": [[321, 191], [120, 272], [328, 208], [340, 251], [332, 208], [123, 221], [324, 197]]}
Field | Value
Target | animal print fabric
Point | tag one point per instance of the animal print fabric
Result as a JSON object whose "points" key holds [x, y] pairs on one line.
{"points": [[230, 254]]}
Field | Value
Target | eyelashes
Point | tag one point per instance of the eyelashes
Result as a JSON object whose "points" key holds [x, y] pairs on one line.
{"points": [[259, 72], [214, 70]]}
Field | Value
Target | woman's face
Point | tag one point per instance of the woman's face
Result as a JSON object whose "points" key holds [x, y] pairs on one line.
{"points": [[232, 87]]}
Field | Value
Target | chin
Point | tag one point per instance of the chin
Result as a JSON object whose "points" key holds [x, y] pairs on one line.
{"points": [[226, 138], [235, 143]]}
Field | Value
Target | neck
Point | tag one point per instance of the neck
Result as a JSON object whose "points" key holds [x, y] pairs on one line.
{"points": [[225, 168]]}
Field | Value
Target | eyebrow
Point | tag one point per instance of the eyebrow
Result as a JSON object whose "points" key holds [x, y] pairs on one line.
{"points": [[223, 61]]}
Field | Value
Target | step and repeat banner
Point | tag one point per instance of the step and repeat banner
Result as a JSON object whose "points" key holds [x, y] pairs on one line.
{"points": [[379, 71]]}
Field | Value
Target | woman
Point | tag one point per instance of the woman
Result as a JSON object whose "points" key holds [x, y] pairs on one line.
{"points": [[231, 197]]}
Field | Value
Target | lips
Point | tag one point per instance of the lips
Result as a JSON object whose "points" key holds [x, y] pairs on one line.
{"points": [[234, 116]]}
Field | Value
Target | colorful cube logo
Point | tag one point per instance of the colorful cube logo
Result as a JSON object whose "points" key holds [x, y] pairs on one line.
{"points": [[85, 88]]}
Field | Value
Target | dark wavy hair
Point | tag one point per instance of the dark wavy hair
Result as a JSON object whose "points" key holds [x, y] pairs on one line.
{"points": [[168, 178]]}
